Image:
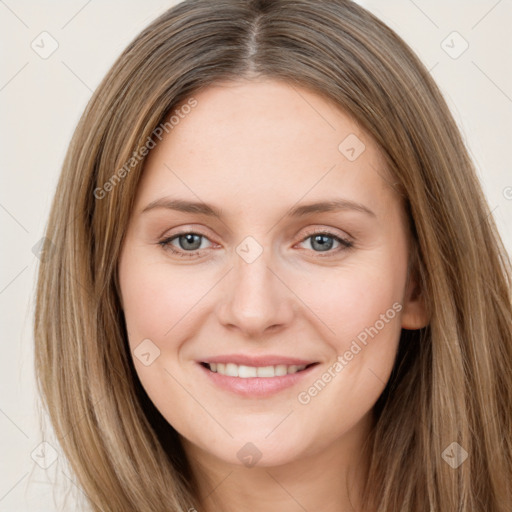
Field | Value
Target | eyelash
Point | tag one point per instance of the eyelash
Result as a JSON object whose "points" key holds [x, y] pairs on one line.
{"points": [[345, 243]]}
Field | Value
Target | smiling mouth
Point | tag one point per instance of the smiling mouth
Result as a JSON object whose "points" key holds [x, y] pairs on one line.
{"points": [[247, 372]]}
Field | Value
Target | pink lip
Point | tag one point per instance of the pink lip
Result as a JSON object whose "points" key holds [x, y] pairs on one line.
{"points": [[270, 360], [256, 387]]}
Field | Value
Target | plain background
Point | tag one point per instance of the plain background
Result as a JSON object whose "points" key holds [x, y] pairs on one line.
{"points": [[41, 101]]}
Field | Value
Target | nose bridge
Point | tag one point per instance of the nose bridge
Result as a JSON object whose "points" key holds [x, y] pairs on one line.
{"points": [[255, 298]]}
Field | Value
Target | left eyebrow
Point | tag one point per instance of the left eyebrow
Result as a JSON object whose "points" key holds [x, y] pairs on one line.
{"points": [[299, 211], [329, 206]]}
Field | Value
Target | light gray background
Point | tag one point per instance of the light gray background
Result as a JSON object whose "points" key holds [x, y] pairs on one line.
{"points": [[42, 99]]}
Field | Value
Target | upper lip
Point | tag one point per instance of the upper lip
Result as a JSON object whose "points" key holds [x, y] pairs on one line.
{"points": [[247, 360]]}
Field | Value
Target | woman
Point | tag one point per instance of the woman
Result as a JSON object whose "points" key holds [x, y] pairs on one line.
{"points": [[336, 337]]}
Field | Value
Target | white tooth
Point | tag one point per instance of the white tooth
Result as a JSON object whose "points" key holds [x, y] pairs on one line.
{"points": [[280, 370], [231, 370], [247, 371], [266, 371]]}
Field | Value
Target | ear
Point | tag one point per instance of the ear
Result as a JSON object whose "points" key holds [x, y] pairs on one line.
{"points": [[414, 313]]}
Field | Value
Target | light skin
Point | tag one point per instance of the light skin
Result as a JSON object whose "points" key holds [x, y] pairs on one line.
{"points": [[255, 150]]}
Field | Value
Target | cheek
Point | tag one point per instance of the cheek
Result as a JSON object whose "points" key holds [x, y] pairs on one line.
{"points": [[354, 299], [365, 317], [159, 303], [361, 306], [157, 299]]}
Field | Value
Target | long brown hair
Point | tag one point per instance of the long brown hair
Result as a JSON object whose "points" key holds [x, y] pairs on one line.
{"points": [[452, 381]]}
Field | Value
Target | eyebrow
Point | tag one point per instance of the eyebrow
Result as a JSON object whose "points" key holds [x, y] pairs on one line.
{"points": [[201, 208]]}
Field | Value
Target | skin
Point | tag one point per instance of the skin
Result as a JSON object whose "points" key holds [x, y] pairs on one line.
{"points": [[255, 149]]}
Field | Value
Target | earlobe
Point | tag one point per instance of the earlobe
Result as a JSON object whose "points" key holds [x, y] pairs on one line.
{"points": [[414, 315]]}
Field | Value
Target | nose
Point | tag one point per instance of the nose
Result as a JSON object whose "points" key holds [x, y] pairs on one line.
{"points": [[255, 298]]}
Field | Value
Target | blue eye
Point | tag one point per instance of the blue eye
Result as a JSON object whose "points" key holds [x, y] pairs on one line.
{"points": [[324, 241], [189, 243]]}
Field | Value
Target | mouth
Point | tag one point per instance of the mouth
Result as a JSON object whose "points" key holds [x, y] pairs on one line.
{"points": [[248, 372], [252, 382]]}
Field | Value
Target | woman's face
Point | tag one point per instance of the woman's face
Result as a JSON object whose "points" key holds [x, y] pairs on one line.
{"points": [[269, 284]]}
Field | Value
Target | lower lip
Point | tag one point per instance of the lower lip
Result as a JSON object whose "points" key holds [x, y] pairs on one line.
{"points": [[256, 386]]}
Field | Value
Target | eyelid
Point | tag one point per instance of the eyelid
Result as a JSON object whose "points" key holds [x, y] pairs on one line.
{"points": [[183, 230], [327, 231]]}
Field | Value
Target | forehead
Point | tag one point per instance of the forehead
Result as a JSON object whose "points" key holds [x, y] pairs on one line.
{"points": [[266, 139]]}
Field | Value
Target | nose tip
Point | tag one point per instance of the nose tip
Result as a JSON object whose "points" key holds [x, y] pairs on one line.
{"points": [[253, 299]]}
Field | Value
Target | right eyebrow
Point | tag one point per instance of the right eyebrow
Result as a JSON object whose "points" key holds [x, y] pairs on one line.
{"points": [[182, 205]]}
